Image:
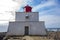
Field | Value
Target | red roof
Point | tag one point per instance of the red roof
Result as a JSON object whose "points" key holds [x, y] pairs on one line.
{"points": [[28, 8]]}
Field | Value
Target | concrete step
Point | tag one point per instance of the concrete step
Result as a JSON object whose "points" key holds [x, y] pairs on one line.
{"points": [[27, 38], [31, 38]]}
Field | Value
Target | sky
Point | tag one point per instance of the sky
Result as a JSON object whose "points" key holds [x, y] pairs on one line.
{"points": [[49, 11]]}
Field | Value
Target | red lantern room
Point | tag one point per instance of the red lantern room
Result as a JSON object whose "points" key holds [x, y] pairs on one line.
{"points": [[27, 8]]}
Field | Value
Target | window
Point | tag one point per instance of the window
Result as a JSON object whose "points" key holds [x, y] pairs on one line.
{"points": [[27, 17]]}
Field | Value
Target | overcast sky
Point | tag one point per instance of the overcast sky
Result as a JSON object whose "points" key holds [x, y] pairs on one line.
{"points": [[49, 11]]}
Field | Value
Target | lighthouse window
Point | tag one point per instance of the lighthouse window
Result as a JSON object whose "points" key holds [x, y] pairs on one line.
{"points": [[27, 17]]}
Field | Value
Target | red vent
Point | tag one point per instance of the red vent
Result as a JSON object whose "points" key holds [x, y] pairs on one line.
{"points": [[27, 8]]}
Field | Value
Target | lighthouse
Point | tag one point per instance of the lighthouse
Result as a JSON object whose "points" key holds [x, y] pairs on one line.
{"points": [[26, 23]]}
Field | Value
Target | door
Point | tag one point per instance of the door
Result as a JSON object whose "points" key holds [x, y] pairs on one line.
{"points": [[26, 30]]}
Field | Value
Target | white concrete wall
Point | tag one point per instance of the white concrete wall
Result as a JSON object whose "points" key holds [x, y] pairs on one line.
{"points": [[35, 28], [33, 16]]}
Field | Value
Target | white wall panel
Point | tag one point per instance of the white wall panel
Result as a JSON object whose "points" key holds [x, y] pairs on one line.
{"points": [[35, 28], [33, 16]]}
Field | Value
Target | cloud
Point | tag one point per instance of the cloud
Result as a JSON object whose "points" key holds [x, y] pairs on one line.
{"points": [[5, 16], [51, 20], [3, 22], [6, 5], [9, 7], [49, 3], [49, 12]]}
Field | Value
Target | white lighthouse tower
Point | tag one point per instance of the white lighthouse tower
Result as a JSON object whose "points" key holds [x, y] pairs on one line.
{"points": [[26, 23]]}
